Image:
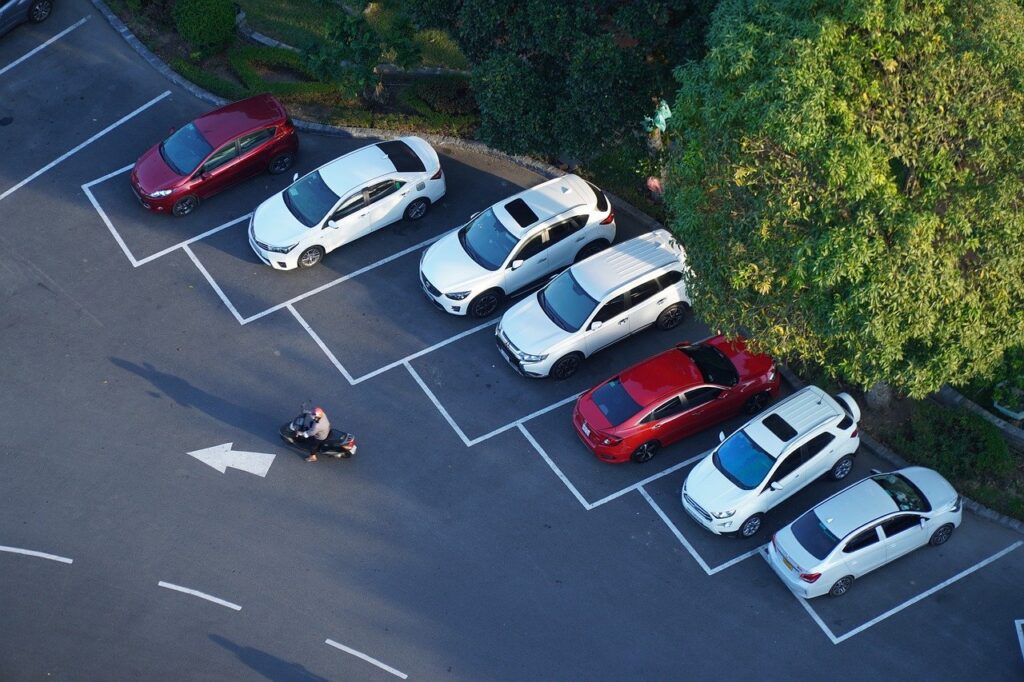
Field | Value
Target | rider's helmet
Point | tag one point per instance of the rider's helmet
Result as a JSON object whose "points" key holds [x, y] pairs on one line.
{"points": [[318, 413]]}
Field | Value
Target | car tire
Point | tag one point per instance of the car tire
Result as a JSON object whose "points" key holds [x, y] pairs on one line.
{"points": [[941, 534], [841, 586], [40, 10], [311, 256], [185, 205], [566, 366], [751, 526], [842, 468], [671, 317], [645, 452], [417, 209], [281, 163], [588, 250], [757, 402], [485, 304]]}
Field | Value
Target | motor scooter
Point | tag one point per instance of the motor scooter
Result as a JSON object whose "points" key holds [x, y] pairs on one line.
{"points": [[338, 444]]}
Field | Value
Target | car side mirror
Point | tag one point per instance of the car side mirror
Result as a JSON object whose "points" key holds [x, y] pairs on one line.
{"points": [[205, 175], [295, 177], [596, 325], [721, 436], [775, 485], [923, 521], [516, 264], [332, 223]]}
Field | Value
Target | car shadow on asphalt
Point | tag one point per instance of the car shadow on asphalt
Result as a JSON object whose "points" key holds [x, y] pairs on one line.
{"points": [[267, 665]]}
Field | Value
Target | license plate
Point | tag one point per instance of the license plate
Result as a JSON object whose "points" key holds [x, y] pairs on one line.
{"points": [[788, 565], [586, 429]]}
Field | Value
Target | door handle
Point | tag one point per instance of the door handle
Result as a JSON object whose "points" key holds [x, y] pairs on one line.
{"points": [[661, 300], [624, 321], [581, 238], [542, 260], [363, 215], [657, 426]]}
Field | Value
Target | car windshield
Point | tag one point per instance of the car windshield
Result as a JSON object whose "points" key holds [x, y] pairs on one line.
{"points": [[310, 199], [905, 494], [185, 150], [615, 404], [565, 302], [712, 363], [813, 535], [742, 461], [487, 240]]}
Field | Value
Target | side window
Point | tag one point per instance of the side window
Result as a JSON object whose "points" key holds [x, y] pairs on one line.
{"points": [[900, 524], [816, 445], [788, 466], [672, 407], [382, 189], [865, 539], [220, 157], [610, 309], [252, 140], [642, 292], [349, 206], [531, 248], [669, 278], [564, 229], [699, 396]]}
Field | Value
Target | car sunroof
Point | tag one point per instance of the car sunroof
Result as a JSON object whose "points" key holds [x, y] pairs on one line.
{"points": [[522, 213], [779, 426], [402, 155]]}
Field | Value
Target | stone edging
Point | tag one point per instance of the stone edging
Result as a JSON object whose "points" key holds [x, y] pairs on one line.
{"points": [[950, 397], [543, 169], [893, 458]]}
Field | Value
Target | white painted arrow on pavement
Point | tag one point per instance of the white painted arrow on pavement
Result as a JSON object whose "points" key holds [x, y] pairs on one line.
{"points": [[1019, 624], [220, 457]]}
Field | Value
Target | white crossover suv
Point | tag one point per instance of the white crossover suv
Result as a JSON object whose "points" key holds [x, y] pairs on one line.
{"points": [[593, 304], [346, 199], [777, 453], [864, 527], [516, 245]]}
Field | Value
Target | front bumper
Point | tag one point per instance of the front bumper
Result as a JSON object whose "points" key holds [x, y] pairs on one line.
{"points": [[278, 261], [704, 517], [441, 301], [535, 370], [156, 205]]}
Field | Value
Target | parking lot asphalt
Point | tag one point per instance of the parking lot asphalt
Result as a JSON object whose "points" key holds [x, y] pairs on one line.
{"points": [[472, 537]]}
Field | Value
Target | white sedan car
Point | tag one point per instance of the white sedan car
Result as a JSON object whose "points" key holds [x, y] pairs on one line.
{"points": [[346, 199], [516, 245], [866, 526]]}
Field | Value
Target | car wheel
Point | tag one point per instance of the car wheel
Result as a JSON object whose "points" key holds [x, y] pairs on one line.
{"points": [[841, 586], [757, 402], [311, 256], [941, 534], [486, 303], [280, 163], [40, 11], [841, 469], [671, 316], [566, 366], [645, 452], [417, 209], [751, 526], [185, 205], [596, 246]]}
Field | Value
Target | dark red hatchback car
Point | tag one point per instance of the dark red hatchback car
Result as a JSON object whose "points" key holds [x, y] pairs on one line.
{"points": [[213, 152], [672, 395]]}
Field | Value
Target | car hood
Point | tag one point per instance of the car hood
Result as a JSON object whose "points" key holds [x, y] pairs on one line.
{"points": [[449, 268], [711, 490], [152, 173], [529, 328], [274, 224]]}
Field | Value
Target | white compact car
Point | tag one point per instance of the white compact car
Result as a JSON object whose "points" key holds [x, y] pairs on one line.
{"points": [[516, 245], [593, 304], [777, 453], [866, 526], [346, 199]]}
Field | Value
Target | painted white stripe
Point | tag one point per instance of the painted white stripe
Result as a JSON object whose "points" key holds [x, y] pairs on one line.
{"points": [[763, 551], [109, 175], [201, 595], [110, 226], [654, 477], [425, 351], [521, 420], [319, 342], [213, 284], [84, 144], [192, 240], [31, 552], [738, 559], [437, 404], [60, 35], [675, 531], [1019, 625], [368, 659], [558, 472]]}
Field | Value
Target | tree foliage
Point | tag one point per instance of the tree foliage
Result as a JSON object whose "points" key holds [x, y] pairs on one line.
{"points": [[850, 180]]}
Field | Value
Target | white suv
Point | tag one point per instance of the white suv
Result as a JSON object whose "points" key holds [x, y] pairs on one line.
{"points": [[516, 245], [595, 303], [770, 458]]}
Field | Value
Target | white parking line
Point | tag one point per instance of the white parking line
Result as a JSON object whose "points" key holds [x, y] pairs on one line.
{"points": [[438, 405], [1019, 627], [558, 472], [368, 659], [84, 144], [28, 54], [425, 351], [319, 342], [32, 552], [201, 595], [213, 284]]}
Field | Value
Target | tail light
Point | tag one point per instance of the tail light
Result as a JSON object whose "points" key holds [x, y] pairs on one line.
{"points": [[810, 577], [607, 439], [854, 434], [609, 219], [437, 175]]}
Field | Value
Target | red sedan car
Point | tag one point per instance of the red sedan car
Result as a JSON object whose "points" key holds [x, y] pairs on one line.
{"points": [[213, 152], [672, 395]]}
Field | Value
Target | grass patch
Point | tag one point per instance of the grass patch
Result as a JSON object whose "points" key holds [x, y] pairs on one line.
{"points": [[619, 169], [299, 23]]}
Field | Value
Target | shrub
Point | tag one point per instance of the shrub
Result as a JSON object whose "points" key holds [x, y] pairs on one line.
{"points": [[206, 25], [958, 444], [243, 59], [208, 81], [447, 94]]}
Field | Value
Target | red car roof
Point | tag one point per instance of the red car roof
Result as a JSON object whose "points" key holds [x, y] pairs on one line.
{"points": [[230, 121]]}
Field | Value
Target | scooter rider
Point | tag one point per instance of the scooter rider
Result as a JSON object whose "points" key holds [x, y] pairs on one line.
{"points": [[318, 432]]}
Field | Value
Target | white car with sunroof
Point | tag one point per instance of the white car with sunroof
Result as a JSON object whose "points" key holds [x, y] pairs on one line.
{"points": [[873, 522], [773, 456], [516, 245], [346, 199]]}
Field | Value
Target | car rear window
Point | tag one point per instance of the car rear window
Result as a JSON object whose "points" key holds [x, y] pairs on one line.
{"points": [[813, 535], [614, 402], [712, 363], [602, 200], [522, 213], [906, 495], [402, 155]]}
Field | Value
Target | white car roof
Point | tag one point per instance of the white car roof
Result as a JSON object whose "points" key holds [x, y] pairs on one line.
{"points": [[545, 201], [804, 410], [850, 509], [621, 264], [353, 170]]}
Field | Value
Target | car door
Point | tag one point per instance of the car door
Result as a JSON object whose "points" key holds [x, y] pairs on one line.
{"points": [[565, 238], [815, 455], [386, 202], [787, 475], [667, 422], [609, 324], [527, 265], [254, 151], [7, 14], [347, 222], [703, 409], [220, 170], [863, 552], [904, 533], [643, 304]]}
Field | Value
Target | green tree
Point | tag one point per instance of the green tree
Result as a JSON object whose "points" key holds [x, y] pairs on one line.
{"points": [[849, 183]]}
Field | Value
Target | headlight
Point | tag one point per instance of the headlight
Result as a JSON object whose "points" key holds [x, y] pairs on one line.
{"points": [[161, 193], [526, 357], [282, 249], [458, 295], [723, 515]]}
